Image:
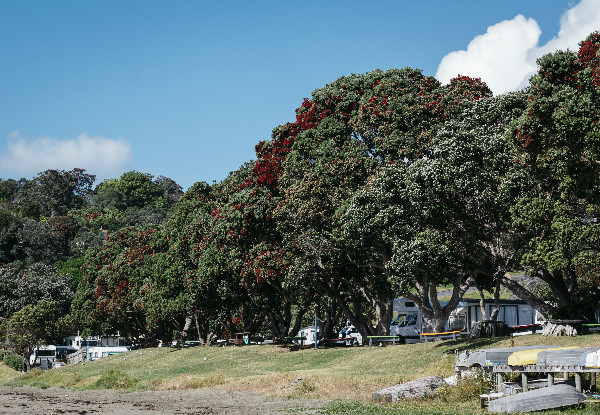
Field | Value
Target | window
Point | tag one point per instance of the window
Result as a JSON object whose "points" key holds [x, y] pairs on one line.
{"points": [[404, 320], [458, 322]]}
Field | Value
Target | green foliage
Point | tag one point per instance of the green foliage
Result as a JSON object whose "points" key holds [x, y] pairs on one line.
{"points": [[72, 268], [9, 228], [57, 191], [108, 196], [116, 281], [14, 361], [19, 288], [558, 139], [438, 219], [34, 325], [345, 135], [137, 189], [36, 242], [101, 218]]}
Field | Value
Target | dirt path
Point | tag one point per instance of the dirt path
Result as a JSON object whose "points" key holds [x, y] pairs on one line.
{"points": [[28, 400]]}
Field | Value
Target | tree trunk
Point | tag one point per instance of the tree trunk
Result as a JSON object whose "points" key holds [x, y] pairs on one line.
{"points": [[183, 334], [198, 328], [275, 327], [525, 295], [27, 362], [484, 315], [329, 320], [434, 315], [298, 322], [385, 312], [496, 310]]}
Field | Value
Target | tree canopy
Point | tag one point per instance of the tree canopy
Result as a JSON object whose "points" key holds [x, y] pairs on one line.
{"points": [[386, 184]]}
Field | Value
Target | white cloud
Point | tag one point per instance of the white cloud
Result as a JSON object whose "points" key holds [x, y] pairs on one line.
{"points": [[505, 56], [575, 25], [104, 157]]}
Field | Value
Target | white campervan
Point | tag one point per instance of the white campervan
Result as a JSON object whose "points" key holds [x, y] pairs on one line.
{"points": [[407, 322]]}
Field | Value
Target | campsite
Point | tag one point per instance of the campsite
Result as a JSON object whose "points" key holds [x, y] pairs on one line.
{"points": [[329, 380]]}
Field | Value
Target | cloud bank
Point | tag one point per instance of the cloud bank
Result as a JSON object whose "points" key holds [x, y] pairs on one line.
{"points": [[104, 157], [505, 56]]}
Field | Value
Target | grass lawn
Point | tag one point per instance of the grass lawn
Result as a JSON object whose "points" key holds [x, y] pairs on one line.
{"points": [[345, 375]]}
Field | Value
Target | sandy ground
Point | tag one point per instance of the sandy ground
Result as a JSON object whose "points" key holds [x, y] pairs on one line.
{"points": [[29, 400]]}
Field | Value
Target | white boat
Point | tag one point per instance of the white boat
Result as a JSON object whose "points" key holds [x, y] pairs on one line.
{"points": [[591, 359]]}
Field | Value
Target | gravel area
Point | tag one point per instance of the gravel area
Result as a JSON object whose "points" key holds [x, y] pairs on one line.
{"points": [[30, 400]]}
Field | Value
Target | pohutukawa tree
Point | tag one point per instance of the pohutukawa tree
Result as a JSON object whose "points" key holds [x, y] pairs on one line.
{"points": [[117, 279], [348, 132], [442, 219], [386, 184], [558, 140]]}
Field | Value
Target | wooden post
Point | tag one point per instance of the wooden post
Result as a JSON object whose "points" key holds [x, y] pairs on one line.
{"points": [[550, 379], [578, 381], [524, 382]]}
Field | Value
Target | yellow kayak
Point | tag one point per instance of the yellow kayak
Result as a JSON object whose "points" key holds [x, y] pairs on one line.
{"points": [[529, 357]]}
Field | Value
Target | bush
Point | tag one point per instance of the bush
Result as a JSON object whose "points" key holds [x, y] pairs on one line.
{"points": [[466, 389], [13, 360]]}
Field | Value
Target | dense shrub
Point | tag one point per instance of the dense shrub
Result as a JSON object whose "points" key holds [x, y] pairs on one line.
{"points": [[13, 360]]}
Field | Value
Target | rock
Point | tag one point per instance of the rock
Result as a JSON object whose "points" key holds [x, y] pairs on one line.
{"points": [[452, 380], [414, 389]]}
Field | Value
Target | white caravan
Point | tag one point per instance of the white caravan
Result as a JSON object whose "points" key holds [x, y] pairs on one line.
{"points": [[309, 336]]}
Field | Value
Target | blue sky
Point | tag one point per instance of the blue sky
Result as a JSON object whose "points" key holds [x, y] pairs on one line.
{"points": [[185, 89]]}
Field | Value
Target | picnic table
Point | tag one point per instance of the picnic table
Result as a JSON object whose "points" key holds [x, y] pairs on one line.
{"points": [[392, 339], [446, 335], [342, 341], [293, 339]]}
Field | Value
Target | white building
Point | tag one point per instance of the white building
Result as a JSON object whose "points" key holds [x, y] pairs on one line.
{"points": [[95, 347], [89, 348]]}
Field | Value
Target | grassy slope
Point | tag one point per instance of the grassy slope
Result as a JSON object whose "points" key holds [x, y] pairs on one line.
{"points": [[7, 373], [343, 373]]}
